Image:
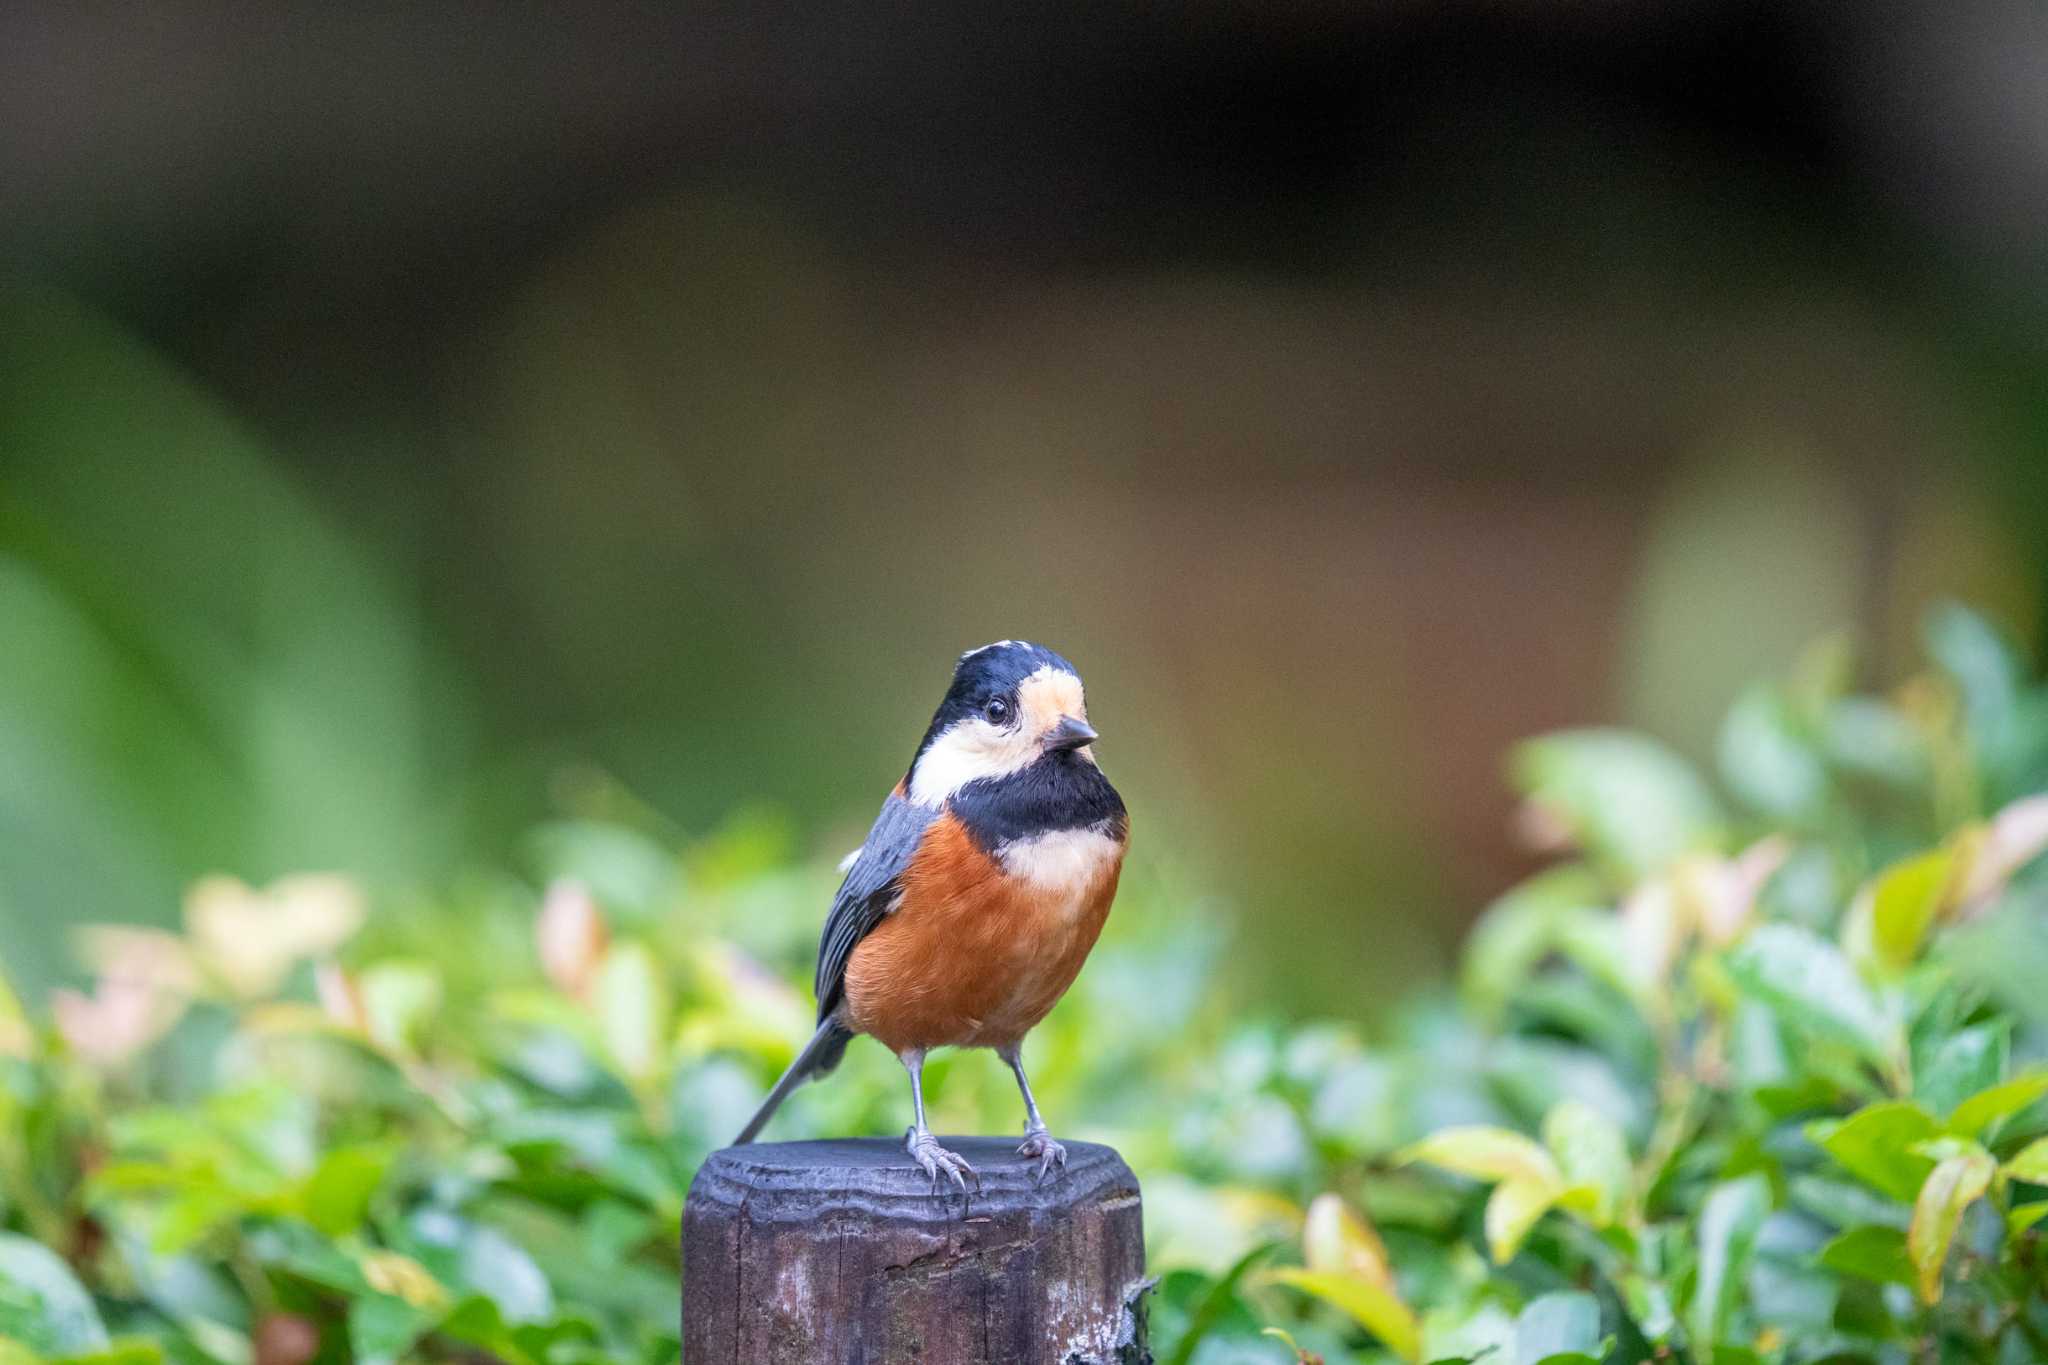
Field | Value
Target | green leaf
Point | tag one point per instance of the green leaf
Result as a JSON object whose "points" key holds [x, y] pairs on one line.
{"points": [[1870, 1253], [1632, 802], [1767, 761], [1486, 1153], [480, 1257], [1555, 1325], [398, 999], [632, 1005], [1810, 983], [1511, 1210], [1905, 900], [336, 1196], [120, 1351], [1518, 930], [2031, 1163], [1876, 1143], [42, 1304], [382, 1327], [1334, 1239], [1951, 1186], [2023, 1217], [1984, 666], [1728, 1224], [1965, 1063], [1477, 1332], [1846, 1204], [1591, 1151], [1372, 1307]]}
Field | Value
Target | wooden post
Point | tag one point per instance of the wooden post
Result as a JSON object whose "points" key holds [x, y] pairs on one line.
{"points": [[839, 1253]]}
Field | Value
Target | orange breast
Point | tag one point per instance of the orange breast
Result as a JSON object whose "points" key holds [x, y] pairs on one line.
{"points": [[979, 951]]}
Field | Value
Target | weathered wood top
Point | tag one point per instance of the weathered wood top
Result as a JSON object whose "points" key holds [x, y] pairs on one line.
{"points": [[876, 1177]]}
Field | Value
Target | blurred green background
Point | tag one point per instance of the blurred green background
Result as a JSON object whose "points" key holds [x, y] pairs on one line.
{"points": [[416, 424]]}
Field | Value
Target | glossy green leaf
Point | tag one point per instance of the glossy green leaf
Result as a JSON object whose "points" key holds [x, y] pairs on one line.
{"points": [[1634, 803], [1728, 1224], [1964, 1063], [1766, 759], [1518, 930], [1555, 1325], [1592, 1152], [1876, 1144], [1980, 660], [1870, 1253], [1950, 1188], [383, 1327], [42, 1304], [1811, 984]]}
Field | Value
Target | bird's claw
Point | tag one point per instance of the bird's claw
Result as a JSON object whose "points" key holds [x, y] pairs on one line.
{"points": [[1039, 1143], [925, 1150]]}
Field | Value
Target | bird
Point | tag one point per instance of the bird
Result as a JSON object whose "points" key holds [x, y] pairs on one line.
{"points": [[977, 895]]}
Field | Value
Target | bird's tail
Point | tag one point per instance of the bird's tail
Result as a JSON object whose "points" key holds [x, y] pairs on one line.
{"points": [[819, 1056]]}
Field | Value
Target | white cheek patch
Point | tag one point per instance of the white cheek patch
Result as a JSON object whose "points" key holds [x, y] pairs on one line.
{"points": [[970, 751], [1065, 864], [974, 749]]}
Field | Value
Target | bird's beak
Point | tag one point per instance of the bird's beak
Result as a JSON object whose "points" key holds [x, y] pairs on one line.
{"points": [[1070, 734]]}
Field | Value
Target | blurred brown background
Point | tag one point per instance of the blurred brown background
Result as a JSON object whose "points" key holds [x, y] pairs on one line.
{"points": [[407, 414]]}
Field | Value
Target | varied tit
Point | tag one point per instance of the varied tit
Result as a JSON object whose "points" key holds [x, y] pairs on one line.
{"points": [[979, 892]]}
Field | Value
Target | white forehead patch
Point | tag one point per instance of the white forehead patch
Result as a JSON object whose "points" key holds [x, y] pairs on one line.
{"points": [[973, 749], [997, 644]]}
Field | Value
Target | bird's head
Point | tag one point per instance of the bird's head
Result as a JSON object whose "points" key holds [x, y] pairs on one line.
{"points": [[1011, 704]]}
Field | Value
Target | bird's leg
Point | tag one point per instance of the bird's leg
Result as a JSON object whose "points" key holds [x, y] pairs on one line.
{"points": [[1037, 1139], [919, 1142]]}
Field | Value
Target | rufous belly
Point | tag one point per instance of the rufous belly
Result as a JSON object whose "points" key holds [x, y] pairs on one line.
{"points": [[979, 949]]}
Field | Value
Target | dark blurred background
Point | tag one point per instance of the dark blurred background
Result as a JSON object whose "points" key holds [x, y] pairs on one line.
{"points": [[416, 419]]}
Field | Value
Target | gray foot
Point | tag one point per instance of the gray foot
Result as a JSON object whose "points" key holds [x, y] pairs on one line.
{"points": [[925, 1150], [1038, 1143]]}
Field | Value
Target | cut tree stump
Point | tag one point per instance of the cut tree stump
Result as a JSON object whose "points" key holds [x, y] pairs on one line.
{"points": [[840, 1253]]}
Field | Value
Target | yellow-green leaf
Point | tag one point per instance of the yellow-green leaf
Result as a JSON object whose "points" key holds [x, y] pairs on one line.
{"points": [[1950, 1187], [1987, 1107], [1484, 1153], [2024, 1217], [336, 1195], [1511, 1211], [2031, 1164], [1378, 1310], [632, 1008], [1334, 1239], [1905, 901]]}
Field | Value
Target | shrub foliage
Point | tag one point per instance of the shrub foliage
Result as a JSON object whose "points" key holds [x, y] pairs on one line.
{"points": [[1755, 1069]]}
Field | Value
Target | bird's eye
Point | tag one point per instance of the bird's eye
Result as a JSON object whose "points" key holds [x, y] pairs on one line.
{"points": [[997, 710]]}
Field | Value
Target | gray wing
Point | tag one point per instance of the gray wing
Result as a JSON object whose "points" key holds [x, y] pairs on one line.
{"points": [[872, 886]]}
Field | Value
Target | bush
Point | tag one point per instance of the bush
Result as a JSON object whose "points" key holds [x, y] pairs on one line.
{"points": [[1753, 1071]]}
